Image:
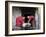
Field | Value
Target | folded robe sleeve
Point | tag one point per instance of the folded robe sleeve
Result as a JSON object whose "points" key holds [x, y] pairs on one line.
{"points": [[19, 21]]}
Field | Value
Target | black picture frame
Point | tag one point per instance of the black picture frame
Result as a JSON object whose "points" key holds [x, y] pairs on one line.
{"points": [[6, 18]]}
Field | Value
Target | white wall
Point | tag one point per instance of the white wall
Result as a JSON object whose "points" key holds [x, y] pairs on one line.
{"points": [[2, 17]]}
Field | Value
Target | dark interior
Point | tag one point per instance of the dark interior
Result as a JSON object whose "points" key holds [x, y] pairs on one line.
{"points": [[28, 11]]}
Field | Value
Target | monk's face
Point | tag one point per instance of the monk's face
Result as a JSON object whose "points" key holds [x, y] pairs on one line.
{"points": [[23, 17]]}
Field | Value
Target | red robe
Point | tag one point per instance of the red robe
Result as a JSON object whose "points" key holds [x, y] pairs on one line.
{"points": [[20, 20]]}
